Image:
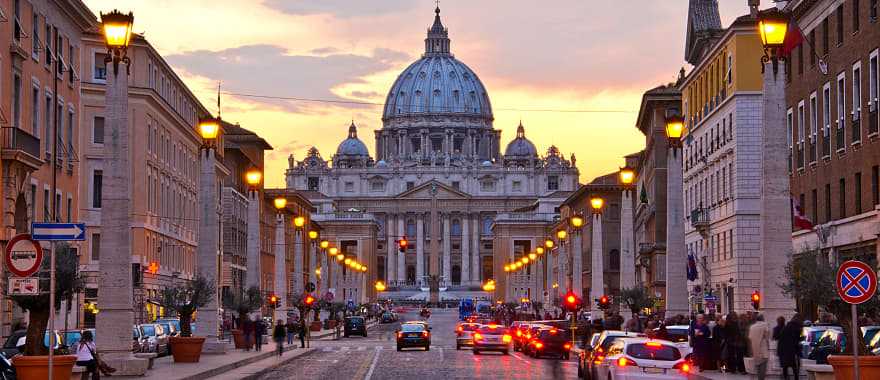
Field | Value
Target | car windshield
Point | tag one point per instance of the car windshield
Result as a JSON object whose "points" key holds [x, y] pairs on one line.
{"points": [[491, 329], [677, 335], [356, 319], [165, 326], [814, 335], [71, 337], [412, 328], [870, 337], [653, 351], [149, 330]]}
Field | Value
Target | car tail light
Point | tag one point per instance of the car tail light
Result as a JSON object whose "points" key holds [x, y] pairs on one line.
{"points": [[460, 329], [654, 344], [399, 334], [554, 331], [623, 362], [538, 344], [506, 338], [598, 359], [528, 336], [518, 333], [684, 367], [478, 336], [567, 346]]}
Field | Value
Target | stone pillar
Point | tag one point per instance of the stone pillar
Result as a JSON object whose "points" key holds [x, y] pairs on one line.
{"points": [[577, 259], [475, 256], [325, 272], [676, 257], [401, 257], [313, 262], [447, 247], [253, 241], [597, 265], [465, 244], [280, 250], [209, 251], [564, 267], [391, 252], [115, 291], [298, 253], [627, 242], [776, 245], [420, 249]]}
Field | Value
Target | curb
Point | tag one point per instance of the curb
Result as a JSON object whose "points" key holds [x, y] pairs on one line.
{"points": [[209, 373]]}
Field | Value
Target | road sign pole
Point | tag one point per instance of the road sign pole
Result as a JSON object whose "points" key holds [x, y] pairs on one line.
{"points": [[51, 306], [855, 340]]}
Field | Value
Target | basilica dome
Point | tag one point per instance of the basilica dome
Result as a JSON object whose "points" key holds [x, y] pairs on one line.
{"points": [[352, 146], [437, 84], [521, 146]]}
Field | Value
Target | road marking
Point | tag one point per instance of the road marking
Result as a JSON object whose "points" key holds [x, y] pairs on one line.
{"points": [[441, 354], [373, 364], [361, 348]]}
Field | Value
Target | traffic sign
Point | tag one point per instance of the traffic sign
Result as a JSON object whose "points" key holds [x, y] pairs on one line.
{"points": [[856, 282], [59, 231], [23, 256], [24, 286]]}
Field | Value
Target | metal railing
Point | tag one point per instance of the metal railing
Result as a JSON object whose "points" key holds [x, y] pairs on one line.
{"points": [[699, 218], [12, 138]]}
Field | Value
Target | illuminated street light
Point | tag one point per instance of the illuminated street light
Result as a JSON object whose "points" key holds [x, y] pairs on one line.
{"points": [[280, 203], [577, 221], [561, 234], [324, 244], [299, 221], [313, 234]]}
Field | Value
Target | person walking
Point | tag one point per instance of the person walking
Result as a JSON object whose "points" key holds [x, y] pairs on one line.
{"points": [[247, 326], [259, 331], [291, 331], [718, 345], [701, 342], [86, 356], [780, 324], [788, 348], [759, 337], [303, 330], [278, 335], [735, 345]]}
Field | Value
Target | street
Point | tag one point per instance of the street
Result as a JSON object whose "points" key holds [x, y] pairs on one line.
{"points": [[376, 357]]}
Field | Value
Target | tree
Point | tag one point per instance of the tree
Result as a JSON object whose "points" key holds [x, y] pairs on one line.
{"points": [[186, 299], [244, 301], [67, 283], [635, 299]]}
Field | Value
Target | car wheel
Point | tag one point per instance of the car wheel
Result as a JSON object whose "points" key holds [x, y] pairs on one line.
{"points": [[457, 347], [476, 352], [505, 352], [427, 348], [398, 348]]}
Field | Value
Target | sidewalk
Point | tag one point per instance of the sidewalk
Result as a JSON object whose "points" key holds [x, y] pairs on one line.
{"points": [[716, 375]]}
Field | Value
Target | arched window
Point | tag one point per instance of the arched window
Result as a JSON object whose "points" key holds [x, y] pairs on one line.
{"points": [[614, 260], [456, 227]]}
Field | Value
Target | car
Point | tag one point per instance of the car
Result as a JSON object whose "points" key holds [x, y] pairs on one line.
{"points": [[14, 344], [71, 337], [810, 336], [171, 329], [158, 341], [492, 337], [175, 324], [831, 342], [643, 358], [424, 323], [518, 331], [528, 332], [679, 335], [354, 325], [599, 343], [413, 335], [139, 343], [871, 334], [549, 341], [387, 317], [464, 334]]}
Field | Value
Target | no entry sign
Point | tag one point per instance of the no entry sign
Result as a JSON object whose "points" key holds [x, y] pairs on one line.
{"points": [[23, 256], [856, 282]]}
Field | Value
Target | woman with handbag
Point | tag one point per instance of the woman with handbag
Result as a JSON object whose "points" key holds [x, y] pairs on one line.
{"points": [[86, 356]]}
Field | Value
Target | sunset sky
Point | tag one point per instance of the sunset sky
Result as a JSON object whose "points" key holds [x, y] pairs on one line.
{"points": [[539, 60]]}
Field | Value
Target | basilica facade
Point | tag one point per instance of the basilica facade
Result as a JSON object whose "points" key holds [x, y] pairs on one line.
{"points": [[439, 178]]}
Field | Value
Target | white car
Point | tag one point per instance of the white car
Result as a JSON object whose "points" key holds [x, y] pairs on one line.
{"points": [[678, 334], [643, 358]]}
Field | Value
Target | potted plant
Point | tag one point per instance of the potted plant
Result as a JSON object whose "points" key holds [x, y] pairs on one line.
{"points": [[810, 279], [185, 300], [34, 361], [635, 299], [316, 323], [243, 302]]}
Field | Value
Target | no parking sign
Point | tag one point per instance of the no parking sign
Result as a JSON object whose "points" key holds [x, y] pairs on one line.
{"points": [[856, 283]]}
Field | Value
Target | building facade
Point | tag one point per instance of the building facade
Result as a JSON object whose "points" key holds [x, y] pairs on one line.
{"points": [[438, 164], [833, 126], [721, 101]]}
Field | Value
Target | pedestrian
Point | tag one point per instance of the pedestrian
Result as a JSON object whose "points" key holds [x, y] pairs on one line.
{"points": [[86, 356], [735, 340], [717, 343], [303, 330], [278, 335], [788, 348], [259, 331], [247, 327], [759, 337], [291, 331], [701, 342], [780, 324]]}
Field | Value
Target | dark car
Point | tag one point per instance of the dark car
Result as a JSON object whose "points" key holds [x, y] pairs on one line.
{"points": [[413, 335], [595, 352], [355, 325], [387, 317], [524, 335], [492, 338], [832, 342], [549, 341]]}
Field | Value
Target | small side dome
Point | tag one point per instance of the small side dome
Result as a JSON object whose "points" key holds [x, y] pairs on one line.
{"points": [[487, 163], [520, 147], [352, 146], [382, 164]]}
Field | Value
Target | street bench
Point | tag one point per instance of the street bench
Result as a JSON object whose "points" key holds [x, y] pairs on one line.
{"points": [[149, 356], [819, 371]]}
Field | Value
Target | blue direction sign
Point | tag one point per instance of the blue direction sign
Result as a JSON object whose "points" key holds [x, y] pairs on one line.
{"points": [[856, 282], [58, 231]]}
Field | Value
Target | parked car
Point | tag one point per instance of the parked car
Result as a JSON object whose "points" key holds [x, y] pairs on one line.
{"points": [[872, 338], [642, 358], [158, 341], [549, 341], [175, 324], [170, 328], [810, 337], [14, 344], [413, 335], [831, 342], [492, 338], [355, 325], [464, 334], [595, 352], [387, 317], [678, 334], [139, 343]]}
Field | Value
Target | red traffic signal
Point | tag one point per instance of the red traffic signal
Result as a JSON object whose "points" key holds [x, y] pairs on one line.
{"points": [[604, 302], [572, 302], [309, 300], [756, 300], [402, 244], [273, 301]]}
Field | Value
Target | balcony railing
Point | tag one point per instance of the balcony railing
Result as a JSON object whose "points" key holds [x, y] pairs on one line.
{"points": [[700, 218], [856, 129], [873, 124], [18, 139]]}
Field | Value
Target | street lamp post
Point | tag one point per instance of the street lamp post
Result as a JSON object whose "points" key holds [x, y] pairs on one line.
{"points": [[627, 242], [562, 262], [254, 179], [115, 290], [676, 281], [280, 248], [597, 266], [576, 257], [313, 264], [209, 233], [299, 223], [325, 271]]}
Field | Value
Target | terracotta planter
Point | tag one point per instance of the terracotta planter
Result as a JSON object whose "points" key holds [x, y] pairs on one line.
{"points": [[238, 339], [187, 350], [869, 367], [37, 367], [331, 324], [315, 326]]}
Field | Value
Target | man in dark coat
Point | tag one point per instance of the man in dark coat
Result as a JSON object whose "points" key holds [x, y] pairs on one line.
{"points": [[259, 331], [701, 342], [788, 348]]}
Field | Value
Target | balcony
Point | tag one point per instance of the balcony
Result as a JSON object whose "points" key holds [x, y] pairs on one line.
{"points": [[20, 146], [700, 220]]}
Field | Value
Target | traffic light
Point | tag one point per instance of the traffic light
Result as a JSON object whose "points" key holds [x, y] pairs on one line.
{"points": [[572, 302], [273, 301], [756, 300], [401, 244], [604, 302], [309, 300]]}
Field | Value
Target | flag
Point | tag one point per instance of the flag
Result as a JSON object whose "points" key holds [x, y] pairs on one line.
{"points": [[692, 274], [793, 38], [798, 219]]}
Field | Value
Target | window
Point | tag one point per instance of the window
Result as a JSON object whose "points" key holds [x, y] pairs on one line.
{"points": [[411, 228], [487, 185], [842, 201], [97, 183], [410, 185], [98, 130], [349, 187], [873, 10], [855, 15], [96, 247], [875, 185], [47, 46], [614, 260], [517, 186], [35, 37], [456, 185], [801, 133], [827, 202], [729, 75], [100, 66], [16, 100], [46, 201], [69, 209], [32, 198], [857, 103], [552, 183], [455, 229], [487, 225], [813, 53], [826, 120], [814, 121], [839, 14], [814, 206], [70, 135], [841, 110], [858, 193], [800, 58], [35, 112], [377, 186], [873, 89], [47, 133], [313, 183], [789, 130], [825, 32]]}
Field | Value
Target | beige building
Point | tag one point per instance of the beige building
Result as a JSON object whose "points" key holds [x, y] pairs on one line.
{"points": [[41, 87], [164, 149]]}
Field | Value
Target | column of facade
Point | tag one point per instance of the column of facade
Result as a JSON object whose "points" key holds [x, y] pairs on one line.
{"points": [[253, 240], [564, 267], [627, 243], [676, 259], [597, 266], [447, 247], [298, 253], [465, 245], [475, 256], [360, 276], [280, 250], [325, 272], [391, 252], [401, 258], [577, 258], [420, 249], [312, 247]]}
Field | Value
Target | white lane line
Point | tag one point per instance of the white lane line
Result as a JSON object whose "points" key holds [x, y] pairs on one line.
{"points": [[361, 348], [373, 364], [441, 353]]}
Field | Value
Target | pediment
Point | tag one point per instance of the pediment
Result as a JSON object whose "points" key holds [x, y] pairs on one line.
{"points": [[424, 191]]}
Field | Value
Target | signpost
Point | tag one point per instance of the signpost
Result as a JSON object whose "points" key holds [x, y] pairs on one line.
{"points": [[59, 231], [856, 283], [23, 256], [24, 286]]}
